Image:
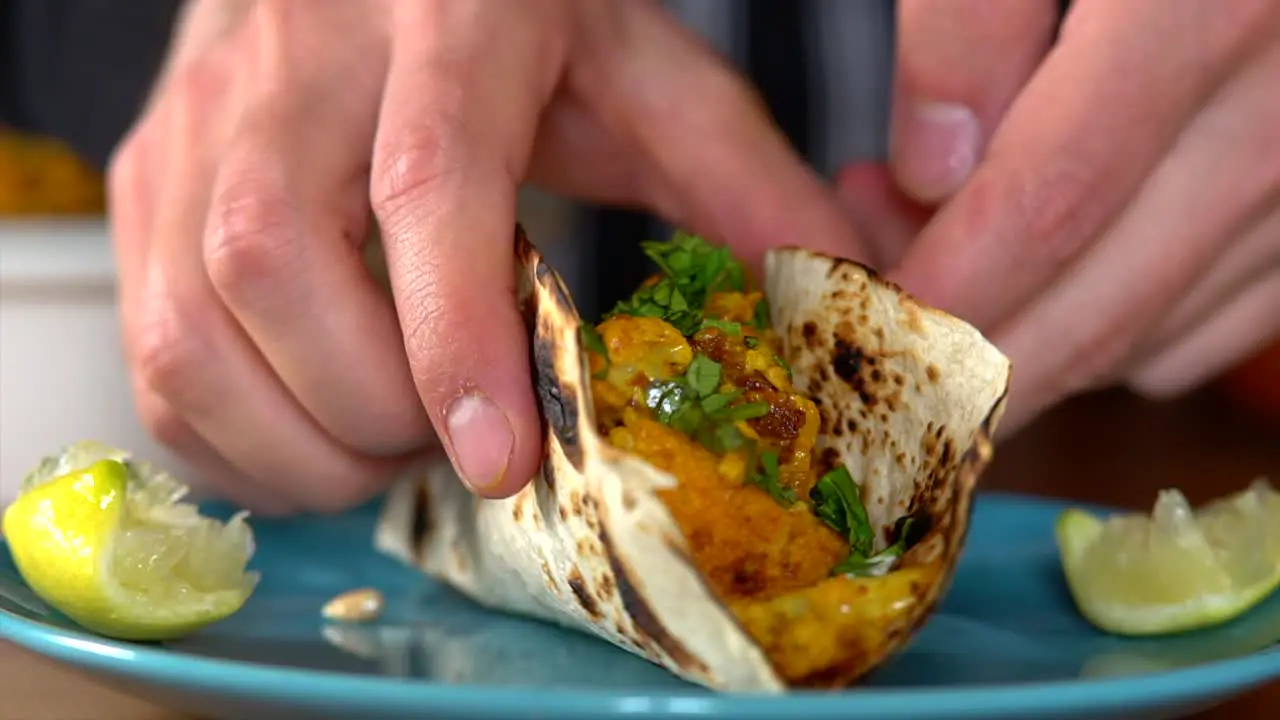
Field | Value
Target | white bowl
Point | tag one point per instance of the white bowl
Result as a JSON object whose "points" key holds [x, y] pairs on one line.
{"points": [[62, 374]]}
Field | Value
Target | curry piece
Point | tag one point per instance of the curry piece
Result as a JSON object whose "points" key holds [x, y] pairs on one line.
{"points": [[688, 374], [720, 511], [746, 544], [832, 633], [757, 540]]}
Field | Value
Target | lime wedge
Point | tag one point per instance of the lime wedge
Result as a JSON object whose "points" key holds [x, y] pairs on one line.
{"points": [[108, 542], [1177, 569]]}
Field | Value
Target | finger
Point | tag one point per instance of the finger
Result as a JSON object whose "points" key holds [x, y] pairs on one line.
{"points": [[721, 163], [1084, 328], [191, 352], [1245, 325], [130, 185], [578, 156], [284, 232], [1248, 260], [1107, 104], [213, 473], [959, 65], [886, 218], [458, 119]]}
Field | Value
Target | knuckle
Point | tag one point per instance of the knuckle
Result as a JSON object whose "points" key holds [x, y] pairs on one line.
{"points": [[122, 171], [1041, 212], [193, 91], [162, 422], [417, 162], [251, 242], [126, 192], [165, 345]]}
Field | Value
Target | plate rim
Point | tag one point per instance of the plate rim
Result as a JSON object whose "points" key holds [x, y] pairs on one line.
{"points": [[288, 685]]}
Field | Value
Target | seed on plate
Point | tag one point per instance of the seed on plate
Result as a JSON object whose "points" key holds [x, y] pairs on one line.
{"points": [[358, 605]]}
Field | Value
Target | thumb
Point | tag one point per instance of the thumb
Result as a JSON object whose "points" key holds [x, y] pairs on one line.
{"points": [[960, 64], [722, 167]]}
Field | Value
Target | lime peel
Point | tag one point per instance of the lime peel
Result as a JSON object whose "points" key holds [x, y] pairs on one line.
{"points": [[1177, 569], [108, 541]]}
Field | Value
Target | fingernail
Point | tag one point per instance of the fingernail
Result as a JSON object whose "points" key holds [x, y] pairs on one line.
{"points": [[935, 149], [481, 439]]}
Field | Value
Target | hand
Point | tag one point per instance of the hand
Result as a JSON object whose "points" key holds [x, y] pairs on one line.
{"points": [[260, 348], [1106, 207]]}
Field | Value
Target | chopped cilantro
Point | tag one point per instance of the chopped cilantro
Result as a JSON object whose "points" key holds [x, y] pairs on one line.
{"points": [[692, 269], [767, 479], [837, 502], [751, 341], [721, 437], [693, 405], [591, 340], [906, 532], [687, 256], [703, 375], [717, 402], [858, 566], [666, 398], [728, 327], [745, 411], [662, 300]]}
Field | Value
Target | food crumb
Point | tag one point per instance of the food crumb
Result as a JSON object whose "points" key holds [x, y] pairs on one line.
{"points": [[360, 605]]}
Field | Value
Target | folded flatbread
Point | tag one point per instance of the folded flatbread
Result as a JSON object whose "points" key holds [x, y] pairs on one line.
{"points": [[781, 558]]}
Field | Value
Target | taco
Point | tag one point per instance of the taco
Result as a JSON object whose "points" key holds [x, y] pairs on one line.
{"points": [[756, 488]]}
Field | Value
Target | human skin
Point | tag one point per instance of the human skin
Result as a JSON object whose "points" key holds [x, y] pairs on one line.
{"points": [[263, 353], [1106, 207]]}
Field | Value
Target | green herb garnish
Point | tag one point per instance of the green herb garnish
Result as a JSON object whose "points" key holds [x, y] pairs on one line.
{"points": [[694, 405], [716, 403], [838, 503], [744, 411], [728, 327], [751, 341], [694, 260], [703, 375], [666, 398], [721, 437], [692, 269], [591, 340], [766, 478], [907, 532]]}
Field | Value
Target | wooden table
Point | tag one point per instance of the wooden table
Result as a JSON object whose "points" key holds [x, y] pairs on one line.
{"points": [[1107, 448]]}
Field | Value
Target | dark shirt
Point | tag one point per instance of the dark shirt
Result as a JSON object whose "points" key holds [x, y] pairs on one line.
{"points": [[80, 70]]}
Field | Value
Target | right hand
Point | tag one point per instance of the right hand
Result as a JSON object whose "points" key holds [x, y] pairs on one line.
{"points": [[261, 350]]}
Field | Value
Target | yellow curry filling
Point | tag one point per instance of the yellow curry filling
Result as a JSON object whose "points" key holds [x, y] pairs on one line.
{"points": [[688, 374]]}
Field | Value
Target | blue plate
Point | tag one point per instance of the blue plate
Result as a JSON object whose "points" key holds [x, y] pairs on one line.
{"points": [[1007, 643]]}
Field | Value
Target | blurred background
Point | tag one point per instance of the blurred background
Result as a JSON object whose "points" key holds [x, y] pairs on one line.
{"points": [[61, 373]]}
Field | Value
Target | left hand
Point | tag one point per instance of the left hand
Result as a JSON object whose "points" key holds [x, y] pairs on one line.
{"points": [[1106, 207]]}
